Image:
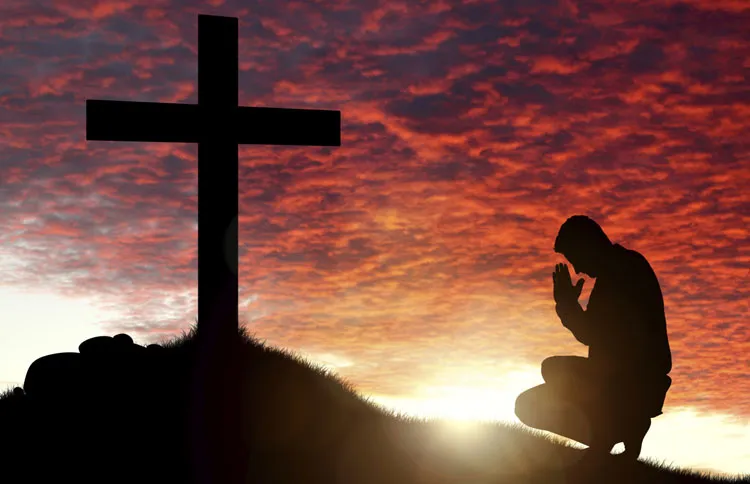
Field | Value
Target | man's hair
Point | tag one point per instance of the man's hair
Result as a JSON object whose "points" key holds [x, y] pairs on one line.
{"points": [[579, 230]]}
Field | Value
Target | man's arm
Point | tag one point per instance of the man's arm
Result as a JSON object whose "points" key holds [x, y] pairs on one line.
{"points": [[576, 320]]}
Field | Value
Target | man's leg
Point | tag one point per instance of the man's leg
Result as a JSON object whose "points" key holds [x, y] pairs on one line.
{"points": [[581, 411], [573, 377], [633, 437], [543, 408], [637, 400]]}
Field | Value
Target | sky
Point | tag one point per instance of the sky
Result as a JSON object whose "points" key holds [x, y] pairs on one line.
{"points": [[416, 259]]}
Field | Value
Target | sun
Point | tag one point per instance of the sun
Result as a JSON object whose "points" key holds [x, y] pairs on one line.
{"points": [[461, 405]]}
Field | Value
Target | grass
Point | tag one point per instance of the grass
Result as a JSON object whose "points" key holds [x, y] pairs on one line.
{"points": [[303, 423]]}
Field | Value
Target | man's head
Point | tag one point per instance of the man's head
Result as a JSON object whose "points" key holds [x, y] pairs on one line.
{"points": [[583, 242]]}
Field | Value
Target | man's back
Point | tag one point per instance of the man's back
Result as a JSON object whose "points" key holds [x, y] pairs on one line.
{"points": [[626, 311]]}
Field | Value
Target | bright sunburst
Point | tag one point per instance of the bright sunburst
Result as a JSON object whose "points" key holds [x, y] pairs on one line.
{"points": [[463, 404]]}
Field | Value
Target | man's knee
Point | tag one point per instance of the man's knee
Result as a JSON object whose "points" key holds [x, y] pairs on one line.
{"points": [[552, 367], [522, 407], [565, 368], [527, 407]]}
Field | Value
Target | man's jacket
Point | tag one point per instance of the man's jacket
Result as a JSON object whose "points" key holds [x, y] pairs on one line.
{"points": [[624, 324]]}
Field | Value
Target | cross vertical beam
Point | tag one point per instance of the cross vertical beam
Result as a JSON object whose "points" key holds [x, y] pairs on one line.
{"points": [[218, 199], [217, 399]]}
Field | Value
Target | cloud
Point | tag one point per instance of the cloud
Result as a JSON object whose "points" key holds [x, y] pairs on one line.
{"points": [[470, 132]]}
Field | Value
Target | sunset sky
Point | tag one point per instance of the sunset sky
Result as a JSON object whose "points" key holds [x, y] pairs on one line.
{"points": [[416, 258]]}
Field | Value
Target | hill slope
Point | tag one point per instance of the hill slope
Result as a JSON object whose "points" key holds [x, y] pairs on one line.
{"points": [[304, 424]]}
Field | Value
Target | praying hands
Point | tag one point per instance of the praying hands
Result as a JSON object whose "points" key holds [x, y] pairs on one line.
{"points": [[564, 291]]}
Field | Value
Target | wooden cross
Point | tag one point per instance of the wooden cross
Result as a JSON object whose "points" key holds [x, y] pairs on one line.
{"points": [[218, 125]]}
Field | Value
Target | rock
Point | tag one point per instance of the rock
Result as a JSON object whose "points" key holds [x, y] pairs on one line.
{"points": [[93, 406], [97, 345], [106, 369], [118, 349], [9, 408], [123, 339], [55, 377]]}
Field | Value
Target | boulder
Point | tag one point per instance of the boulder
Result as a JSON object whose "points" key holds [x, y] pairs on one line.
{"points": [[97, 345], [111, 403], [10, 407], [106, 344], [55, 377], [123, 339], [107, 368], [114, 352], [117, 367]]}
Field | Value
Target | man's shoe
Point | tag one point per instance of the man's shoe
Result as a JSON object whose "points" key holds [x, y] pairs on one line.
{"points": [[600, 448], [594, 458], [634, 436]]}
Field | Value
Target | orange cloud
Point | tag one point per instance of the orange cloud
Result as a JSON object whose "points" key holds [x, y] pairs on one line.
{"points": [[470, 131]]}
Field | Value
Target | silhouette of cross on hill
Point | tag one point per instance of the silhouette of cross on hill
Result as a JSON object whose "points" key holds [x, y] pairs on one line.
{"points": [[218, 125]]}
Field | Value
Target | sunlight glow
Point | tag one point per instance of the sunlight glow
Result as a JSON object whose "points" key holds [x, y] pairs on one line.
{"points": [[464, 403], [328, 361], [682, 437]]}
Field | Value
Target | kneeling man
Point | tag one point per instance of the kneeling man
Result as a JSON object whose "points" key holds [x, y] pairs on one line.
{"points": [[612, 395]]}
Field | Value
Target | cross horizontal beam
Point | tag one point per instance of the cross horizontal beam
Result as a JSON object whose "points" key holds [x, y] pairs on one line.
{"points": [[192, 123], [141, 121]]}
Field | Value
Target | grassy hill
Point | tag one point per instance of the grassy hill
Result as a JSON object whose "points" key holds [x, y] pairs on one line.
{"points": [[304, 425]]}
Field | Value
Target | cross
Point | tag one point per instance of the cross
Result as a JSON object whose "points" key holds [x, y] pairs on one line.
{"points": [[218, 125]]}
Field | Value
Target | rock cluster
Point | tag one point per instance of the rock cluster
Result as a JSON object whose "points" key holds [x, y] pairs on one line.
{"points": [[112, 405], [103, 364]]}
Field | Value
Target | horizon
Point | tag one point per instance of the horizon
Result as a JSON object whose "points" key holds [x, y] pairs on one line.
{"points": [[437, 403], [415, 259]]}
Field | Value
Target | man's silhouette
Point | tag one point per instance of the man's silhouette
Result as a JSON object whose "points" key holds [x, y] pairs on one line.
{"points": [[612, 395]]}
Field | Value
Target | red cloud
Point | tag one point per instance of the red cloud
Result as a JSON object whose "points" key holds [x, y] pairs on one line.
{"points": [[470, 131]]}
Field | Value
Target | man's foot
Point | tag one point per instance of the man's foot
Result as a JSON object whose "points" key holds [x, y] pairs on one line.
{"points": [[594, 457], [601, 447], [634, 438]]}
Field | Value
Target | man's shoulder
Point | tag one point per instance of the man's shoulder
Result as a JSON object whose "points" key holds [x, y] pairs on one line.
{"points": [[631, 255], [635, 262]]}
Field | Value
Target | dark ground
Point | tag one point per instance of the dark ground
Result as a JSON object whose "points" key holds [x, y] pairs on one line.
{"points": [[303, 425]]}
